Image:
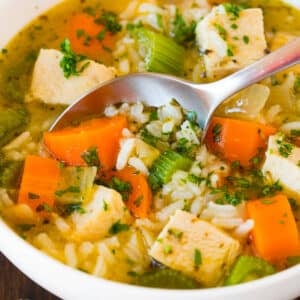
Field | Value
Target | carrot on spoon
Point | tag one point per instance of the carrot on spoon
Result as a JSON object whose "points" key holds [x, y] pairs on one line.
{"points": [[94, 142], [237, 140]]}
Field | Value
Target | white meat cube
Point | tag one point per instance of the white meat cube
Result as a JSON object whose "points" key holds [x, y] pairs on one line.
{"points": [[283, 166], [105, 209], [230, 42], [196, 248], [49, 85]]}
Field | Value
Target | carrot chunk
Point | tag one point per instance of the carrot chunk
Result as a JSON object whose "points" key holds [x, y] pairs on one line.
{"points": [[139, 198], [39, 182], [275, 233], [89, 37], [93, 142], [237, 140]]}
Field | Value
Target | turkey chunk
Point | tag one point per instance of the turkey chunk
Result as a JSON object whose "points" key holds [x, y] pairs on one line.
{"points": [[196, 248], [229, 42], [50, 86], [283, 165], [105, 209]]}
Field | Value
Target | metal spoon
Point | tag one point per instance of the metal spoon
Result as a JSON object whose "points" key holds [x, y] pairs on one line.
{"points": [[158, 89]]}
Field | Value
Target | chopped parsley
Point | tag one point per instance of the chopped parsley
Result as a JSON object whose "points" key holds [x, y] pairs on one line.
{"points": [[234, 26], [123, 187], [183, 33], [110, 21], [168, 249], [191, 116], [138, 201], [233, 10], [230, 51], [297, 85], [221, 30], [70, 60], [267, 201], [43, 207], [25, 227], [195, 179], [176, 233], [70, 189], [33, 196], [105, 205], [216, 132], [118, 227], [70, 208], [246, 39], [295, 132], [159, 20], [284, 147], [197, 258], [91, 157], [4, 51]]}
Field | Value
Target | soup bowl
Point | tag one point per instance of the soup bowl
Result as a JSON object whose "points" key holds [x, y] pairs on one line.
{"points": [[69, 283]]}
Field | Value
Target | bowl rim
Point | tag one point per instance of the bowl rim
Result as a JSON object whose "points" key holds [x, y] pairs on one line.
{"points": [[36, 258]]}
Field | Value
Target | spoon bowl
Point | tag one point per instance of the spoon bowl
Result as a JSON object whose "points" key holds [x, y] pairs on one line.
{"points": [[157, 89]]}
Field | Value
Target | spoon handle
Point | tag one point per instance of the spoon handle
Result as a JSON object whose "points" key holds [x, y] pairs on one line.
{"points": [[280, 59]]}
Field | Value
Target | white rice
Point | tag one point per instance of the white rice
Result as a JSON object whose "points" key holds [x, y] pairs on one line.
{"points": [[70, 255]]}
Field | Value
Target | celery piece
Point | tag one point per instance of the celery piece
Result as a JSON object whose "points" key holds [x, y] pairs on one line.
{"points": [[76, 184], [165, 166], [293, 260], [9, 173], [12, 123], [248, 267], [166, 278], [162, 54]]}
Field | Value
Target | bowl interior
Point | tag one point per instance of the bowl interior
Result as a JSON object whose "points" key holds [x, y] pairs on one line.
{"points": [[68, 283]]}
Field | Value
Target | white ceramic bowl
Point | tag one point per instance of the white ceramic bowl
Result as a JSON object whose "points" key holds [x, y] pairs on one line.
{"points": [[68, 283]]}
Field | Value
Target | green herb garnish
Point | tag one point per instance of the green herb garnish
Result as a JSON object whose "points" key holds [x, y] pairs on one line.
{"points": [[110, 21], [33, 196], [70, 60], [246, 39], [216, 131], [123, 187], [182, 32], [197, 258], [118, 227], [91, 157]]}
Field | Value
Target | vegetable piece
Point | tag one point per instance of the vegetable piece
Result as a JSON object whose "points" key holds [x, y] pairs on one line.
{"points": [[293, 260], [167, 278], [165, 166], [237, 140], [139, 199], [275, 233], [183, 33], [69, 61], [12, 123], [92, 36], [247, 268], [9, 173], [39, 182], [75, 185], [163, 55], [72, 144]]}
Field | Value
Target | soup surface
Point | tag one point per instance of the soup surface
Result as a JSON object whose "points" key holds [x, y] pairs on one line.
{"points": [[133, 195]]}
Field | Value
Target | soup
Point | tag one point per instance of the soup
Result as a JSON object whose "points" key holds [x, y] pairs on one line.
{"points": [[133, 195]]}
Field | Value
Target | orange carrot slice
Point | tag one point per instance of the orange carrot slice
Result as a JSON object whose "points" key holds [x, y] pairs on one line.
{"points": [[39, 182], [275, 233], [237, 140], [140, 197], [97, 137]]}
